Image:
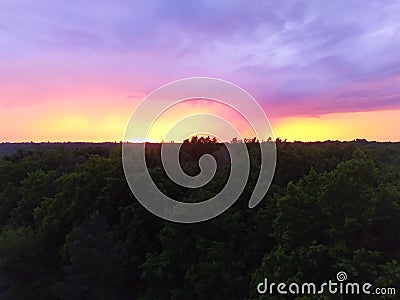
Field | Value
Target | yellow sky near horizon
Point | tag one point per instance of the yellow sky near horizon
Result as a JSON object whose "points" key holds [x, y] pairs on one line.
{"points": [[373, 125], [109, 125]]}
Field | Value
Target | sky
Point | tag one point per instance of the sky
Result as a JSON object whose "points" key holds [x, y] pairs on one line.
{"points": [[75, 70]]}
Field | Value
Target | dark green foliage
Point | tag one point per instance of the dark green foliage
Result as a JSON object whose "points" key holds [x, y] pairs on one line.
{"points": [[71, 229], [93, 263], [24, 269]]}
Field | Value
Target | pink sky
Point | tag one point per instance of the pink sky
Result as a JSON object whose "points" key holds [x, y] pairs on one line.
{"points": [[75, 72]]}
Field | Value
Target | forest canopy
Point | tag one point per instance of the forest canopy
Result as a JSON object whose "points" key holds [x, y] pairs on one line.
{"points": [[71, 228]]}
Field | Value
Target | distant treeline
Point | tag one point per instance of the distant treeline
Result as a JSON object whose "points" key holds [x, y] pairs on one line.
{"points": [[9, 148], [71, 228]]}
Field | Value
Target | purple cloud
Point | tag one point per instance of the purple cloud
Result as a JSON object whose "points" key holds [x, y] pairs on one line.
{"points": [[297, 57]]}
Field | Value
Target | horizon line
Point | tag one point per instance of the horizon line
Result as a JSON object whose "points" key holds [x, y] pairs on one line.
{"points": [[181, 142]]}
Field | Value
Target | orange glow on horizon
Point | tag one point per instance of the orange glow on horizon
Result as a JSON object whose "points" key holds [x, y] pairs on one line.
{"points": [[57, 124], [373, 126]]}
